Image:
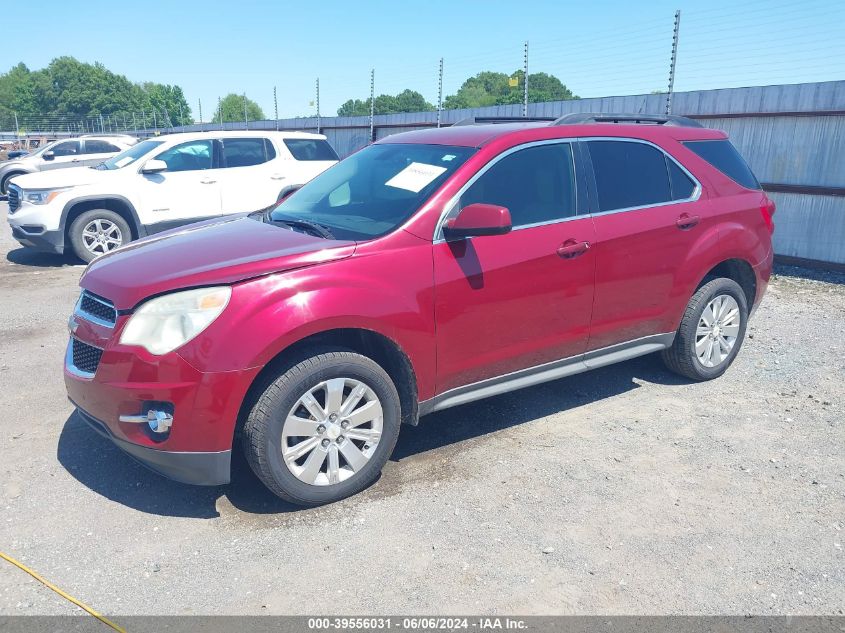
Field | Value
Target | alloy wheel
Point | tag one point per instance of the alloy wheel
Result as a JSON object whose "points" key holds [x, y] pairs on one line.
{"points": [[332, 431], [717, 331], [101, 236]]}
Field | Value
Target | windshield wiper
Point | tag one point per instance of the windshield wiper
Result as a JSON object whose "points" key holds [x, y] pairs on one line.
{"points": [[315, 228]]}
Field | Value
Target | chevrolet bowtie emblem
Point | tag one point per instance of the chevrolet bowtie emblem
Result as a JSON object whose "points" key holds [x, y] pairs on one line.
{"points": [[72, 324]]}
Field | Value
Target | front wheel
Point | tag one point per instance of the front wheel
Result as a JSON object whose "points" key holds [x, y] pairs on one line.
{"points": [[324, 428], [711, 331], [97, 232]]}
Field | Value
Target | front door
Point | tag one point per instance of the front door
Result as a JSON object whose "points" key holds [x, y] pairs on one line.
{"points": [[509, 302], [188, 191]]}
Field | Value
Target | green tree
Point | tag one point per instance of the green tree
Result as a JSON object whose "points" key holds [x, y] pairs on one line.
{"points": [[232, 106], [169, 100], [489, 88], [405, 101]]}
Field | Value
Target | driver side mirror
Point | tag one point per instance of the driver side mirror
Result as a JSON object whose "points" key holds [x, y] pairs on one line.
{"points": [[48, 155], [478, 219], [154, 166]]}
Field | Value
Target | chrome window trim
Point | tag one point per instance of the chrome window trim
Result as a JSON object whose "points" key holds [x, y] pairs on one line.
{"points": [[70, 367], [93, 318], [696, 192], [453, 201], [450, 205]]}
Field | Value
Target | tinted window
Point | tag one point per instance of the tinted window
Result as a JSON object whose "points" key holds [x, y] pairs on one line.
{"points": [[629, 174], [724, 157], [375, 190], [129, 156], [310, 149], [536, 184], [682, 185], [68, 148], [243, 152], [190, 156], [99, 147]]}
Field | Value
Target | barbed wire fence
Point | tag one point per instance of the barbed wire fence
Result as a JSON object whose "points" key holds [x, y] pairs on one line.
{"points": [[639, 59]]}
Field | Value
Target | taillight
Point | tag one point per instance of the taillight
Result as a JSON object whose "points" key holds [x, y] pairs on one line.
{"points": [[767, 210]]}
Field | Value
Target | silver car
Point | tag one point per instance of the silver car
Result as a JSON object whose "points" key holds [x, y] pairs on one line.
{"points": [[70, 152]]}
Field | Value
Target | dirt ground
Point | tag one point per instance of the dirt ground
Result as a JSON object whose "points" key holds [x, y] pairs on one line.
{"points": [[622, 491]]}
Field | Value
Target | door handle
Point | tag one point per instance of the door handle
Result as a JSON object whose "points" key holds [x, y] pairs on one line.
{"points": [[207, 181], [571, 249], [686, 222]]}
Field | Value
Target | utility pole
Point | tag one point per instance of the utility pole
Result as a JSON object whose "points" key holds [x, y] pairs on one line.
{"points": [[276, 107], [372, 101], [672, 63], [318, 105], [246, 117], [439, 92], [525, 83]]}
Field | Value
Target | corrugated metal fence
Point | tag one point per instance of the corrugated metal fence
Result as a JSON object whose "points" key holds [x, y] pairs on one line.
{"points": [[793, 136]]}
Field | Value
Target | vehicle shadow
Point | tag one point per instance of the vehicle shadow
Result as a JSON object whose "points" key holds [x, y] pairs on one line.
{"points": [[96, 463], [812, 274], [29, 257]]}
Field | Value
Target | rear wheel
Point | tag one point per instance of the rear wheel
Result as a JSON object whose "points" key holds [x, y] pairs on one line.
{"points": [[324, 428], [711, 331], [97, 232]]}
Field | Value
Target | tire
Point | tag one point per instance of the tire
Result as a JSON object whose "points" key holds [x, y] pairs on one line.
{"points": [[4, 184], [314, 477], [711, 359], [85, 238]]}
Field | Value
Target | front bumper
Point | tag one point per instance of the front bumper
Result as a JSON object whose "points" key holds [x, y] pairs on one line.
{"points": [[37, 238], [203, 469]]}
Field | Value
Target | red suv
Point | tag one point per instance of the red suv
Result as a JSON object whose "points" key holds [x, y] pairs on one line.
{"points": [[431, 269]]}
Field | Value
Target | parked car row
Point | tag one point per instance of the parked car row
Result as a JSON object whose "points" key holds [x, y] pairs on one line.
{"points": [[428, 270], [151, 186]]}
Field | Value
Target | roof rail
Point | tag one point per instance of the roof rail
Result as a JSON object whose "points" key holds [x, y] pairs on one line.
{"points": [[576, 118], [482, 120]]}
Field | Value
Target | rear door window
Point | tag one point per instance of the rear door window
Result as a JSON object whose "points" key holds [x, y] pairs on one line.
{"points": [[629, 174], [244, 152], [681, 184], [310, 149], [100, 147], [536, 184], [724, 157]]}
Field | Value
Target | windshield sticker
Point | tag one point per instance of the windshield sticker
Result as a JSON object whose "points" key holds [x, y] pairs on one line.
{"points": [[124, 161], [415, 176]]}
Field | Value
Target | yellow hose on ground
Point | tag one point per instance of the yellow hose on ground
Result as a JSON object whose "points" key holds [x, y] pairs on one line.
{"points": [[64, 595]]}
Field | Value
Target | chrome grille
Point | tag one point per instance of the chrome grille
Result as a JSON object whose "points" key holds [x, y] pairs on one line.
{"points": [[14, 199], [96, 309], [85, 357]]}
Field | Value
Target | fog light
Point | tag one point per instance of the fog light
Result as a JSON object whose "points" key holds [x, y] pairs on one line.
{"points": [[158, 421]]}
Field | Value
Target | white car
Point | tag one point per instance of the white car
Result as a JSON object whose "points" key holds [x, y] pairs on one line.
{"points": [[85, 150], [161, 183]]}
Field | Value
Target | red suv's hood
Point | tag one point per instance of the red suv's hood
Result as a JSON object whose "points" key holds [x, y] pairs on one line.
{"points": [[219, 251]]}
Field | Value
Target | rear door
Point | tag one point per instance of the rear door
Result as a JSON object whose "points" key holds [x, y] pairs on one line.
{"points": [[514, 301], [249, 174], [95, 151], [648, 216]]}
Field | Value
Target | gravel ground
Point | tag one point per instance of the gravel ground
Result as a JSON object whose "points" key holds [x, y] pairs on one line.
{"points": [[623, 491]]}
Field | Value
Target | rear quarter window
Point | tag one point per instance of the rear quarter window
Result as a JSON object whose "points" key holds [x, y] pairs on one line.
{"points": [[722, 155], [310, 149]]}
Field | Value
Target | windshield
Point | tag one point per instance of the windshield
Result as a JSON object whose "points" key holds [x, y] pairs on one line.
{"points": [[373, 191], [129, 156]]}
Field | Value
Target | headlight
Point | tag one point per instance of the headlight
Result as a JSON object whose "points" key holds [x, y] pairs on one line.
{"points": [[161, 325], [42, 196]]}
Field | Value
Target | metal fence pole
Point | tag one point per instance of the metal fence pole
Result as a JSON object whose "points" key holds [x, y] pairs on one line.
{"points": [[276, 107], [220, 110], [439, 92], [525, 83], [246, 116], [672, 63], [318, 105], [17, 127], [199, 103], [372, 102]]}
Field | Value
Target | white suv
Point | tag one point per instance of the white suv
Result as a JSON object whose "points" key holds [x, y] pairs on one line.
{"points": [[161, 183], [89, 149]]}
